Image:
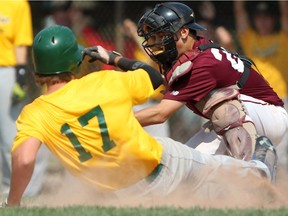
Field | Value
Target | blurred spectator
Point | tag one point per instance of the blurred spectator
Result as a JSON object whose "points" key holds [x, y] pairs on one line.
{"points": [[81, 16], [130, 29], [266, 45], [16, 37], [57, 13], [218, 33]]}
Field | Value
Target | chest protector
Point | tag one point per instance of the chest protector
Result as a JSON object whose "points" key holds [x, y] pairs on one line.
{"points": [[183, 66]]}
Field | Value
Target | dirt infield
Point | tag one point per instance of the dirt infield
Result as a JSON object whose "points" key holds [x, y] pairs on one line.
{"points": [[61, 189]]}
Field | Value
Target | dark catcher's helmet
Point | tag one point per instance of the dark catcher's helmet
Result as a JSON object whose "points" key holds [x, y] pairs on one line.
{"points": [[166, 18], [55, 50]]}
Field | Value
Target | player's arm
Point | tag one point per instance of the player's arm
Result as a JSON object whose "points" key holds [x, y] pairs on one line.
{"points": [[283, 5], [129, 64], [159, 113], [241, 16], [113, 58], [23, 161]]}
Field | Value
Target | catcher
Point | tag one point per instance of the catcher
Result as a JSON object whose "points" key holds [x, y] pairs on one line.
{"points": [[89, 124], [211, 81]]}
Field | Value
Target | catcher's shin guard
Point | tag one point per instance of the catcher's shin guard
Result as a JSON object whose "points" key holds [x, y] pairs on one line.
{"points": [[266, 153], [229, 120]]}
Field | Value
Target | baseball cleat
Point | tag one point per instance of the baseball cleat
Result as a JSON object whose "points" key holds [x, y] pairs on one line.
{"points": [[266, 153]]}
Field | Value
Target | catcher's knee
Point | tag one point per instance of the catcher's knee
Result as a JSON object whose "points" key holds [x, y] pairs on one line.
{"points": [[229, 119]]}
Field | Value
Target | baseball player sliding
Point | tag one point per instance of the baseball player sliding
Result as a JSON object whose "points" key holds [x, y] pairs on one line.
{"points": [[89, 124]]}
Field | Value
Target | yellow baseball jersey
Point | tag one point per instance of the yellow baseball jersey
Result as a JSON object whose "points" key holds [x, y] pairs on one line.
{"points": [[269, 54], [15, 29], [90, 126]]}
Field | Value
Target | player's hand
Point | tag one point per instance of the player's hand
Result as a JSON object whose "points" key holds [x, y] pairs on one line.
{"points": [[19, 89], [21, 74], [3, 204], [99, 53], [18, 94]]}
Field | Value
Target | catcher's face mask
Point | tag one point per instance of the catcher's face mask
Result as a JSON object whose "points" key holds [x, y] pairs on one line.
{"points": [[160, 46]]}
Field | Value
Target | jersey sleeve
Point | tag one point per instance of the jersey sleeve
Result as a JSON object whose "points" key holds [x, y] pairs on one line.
{"points": [[139, 85], [27, 127]]}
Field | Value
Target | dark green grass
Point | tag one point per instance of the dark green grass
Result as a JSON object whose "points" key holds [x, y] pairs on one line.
{"points": [[157, 211]]}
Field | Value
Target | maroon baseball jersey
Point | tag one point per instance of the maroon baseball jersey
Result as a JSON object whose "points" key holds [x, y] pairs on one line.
{"points": [[215, 68]]}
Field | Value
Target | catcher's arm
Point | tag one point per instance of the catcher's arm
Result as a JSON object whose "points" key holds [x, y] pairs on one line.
{"points": [[114, 58]]}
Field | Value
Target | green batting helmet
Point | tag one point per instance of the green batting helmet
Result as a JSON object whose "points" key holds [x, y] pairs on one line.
{"points": [[55, 50]]}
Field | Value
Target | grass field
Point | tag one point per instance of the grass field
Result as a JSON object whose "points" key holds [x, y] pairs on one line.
{"points": [[158, 211]]}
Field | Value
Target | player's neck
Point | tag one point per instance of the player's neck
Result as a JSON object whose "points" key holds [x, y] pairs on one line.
{"points": [[54, 87]]}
